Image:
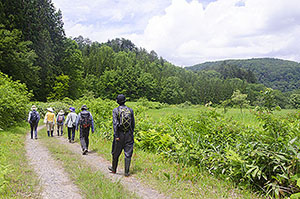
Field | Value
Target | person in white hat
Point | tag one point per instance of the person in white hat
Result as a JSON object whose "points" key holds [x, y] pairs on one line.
{"points": [[33, 119], [50, 121]]}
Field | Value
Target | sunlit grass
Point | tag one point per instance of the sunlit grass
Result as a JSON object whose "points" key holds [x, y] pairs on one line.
{"points": [[17, 178], [93, 184], [171, 178]]}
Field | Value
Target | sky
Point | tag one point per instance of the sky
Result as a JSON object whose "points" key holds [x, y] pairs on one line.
{"points": [[189, 32]]}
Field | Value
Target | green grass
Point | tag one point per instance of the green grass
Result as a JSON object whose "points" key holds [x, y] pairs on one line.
{"points": [[93, 184], [17, 179], [245, 117], [182, 182], [171, 178]]}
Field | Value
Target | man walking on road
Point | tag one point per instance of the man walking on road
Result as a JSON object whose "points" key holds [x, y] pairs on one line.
{"points": [[85, 121], [123, 125], [71, 124], [33, 119]]}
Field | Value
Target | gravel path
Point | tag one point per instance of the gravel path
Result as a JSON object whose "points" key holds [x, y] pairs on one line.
{"points": [[101, 164], [54, 181]]}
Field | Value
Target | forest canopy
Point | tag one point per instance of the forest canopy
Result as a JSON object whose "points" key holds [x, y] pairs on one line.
{"points": [[35, 51]]}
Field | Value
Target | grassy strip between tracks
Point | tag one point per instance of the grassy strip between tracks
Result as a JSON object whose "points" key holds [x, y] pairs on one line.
{"points": [[92, 183]]}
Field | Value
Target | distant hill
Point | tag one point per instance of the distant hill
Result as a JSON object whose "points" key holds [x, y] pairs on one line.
{"points": [[274, 73]]}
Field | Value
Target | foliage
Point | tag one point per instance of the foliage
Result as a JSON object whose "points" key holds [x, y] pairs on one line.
{"points": [[239, 99], [16, 58], [295, 100], [265, 157], [14, 99], [277, 74], [60, 88], [17, 178]]}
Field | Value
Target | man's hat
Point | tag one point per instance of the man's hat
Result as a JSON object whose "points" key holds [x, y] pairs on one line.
{"points": [[84, 107], [50, 109], [33, 107], [121, 99]]}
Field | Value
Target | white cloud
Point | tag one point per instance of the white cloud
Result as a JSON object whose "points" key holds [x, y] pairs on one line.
{"points": [[187, 32]]}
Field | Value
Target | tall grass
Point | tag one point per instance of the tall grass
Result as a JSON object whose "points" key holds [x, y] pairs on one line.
{"points": [[17, 179]]}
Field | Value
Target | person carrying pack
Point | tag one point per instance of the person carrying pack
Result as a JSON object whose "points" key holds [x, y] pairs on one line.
{"points": [[71, 124], [123, 125], [85, 122], [60, 122], [33, 119]]}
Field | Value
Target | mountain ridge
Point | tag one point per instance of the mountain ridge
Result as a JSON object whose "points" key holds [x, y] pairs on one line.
{"points": [[275, 73]]}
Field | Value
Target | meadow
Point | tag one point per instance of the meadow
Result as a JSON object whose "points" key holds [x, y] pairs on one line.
{"points": [[253, 150], [189, 151]]}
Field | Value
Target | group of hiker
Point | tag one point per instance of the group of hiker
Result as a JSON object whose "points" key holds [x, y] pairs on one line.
{"points": [[123, 126]]}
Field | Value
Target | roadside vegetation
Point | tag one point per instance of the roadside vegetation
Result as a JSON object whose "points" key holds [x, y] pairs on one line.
{"points": [[92, 184], [17, 178], [255, 150]]}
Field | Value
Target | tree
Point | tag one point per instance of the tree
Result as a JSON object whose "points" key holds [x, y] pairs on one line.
{"points": [[239, 99], [60, 88], [147, 87], [16, 58], [267, 99], [295, 100], [14, 99], [171, 92], [72, 66]]}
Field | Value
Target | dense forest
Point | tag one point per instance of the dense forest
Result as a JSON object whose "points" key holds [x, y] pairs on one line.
{"points": [[35, 51], [273, 73]]}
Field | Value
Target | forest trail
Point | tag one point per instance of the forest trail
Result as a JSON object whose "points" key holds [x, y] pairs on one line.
{"points": [[97, 162], [54, 181]]}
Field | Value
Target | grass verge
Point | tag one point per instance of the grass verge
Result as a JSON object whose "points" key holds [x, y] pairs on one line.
{"points": [[17, 179], [93, 184], [171, 178]]}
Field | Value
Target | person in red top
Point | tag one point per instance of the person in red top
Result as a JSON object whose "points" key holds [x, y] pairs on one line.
{"points": [[60, 122]]}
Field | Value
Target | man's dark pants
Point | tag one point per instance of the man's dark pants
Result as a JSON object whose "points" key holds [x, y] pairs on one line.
{"points": [[33, 127], [84, 138], [71, 130], [126, 142]]}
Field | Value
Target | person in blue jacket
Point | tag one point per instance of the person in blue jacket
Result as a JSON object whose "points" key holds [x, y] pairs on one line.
{"points": [[33, 119]]}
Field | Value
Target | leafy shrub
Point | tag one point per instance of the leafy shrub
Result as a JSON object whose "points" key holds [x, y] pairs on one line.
{"points": [[14, 100], [265, 157]]}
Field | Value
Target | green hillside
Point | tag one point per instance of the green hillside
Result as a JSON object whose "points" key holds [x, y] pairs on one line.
{"points": [[274, 73]]}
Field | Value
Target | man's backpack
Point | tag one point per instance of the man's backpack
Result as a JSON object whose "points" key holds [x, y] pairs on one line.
{"points": [[125, 118], [33, 117], [60, 118], [85, 120]]}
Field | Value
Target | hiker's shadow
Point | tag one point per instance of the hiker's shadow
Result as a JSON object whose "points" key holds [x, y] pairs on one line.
{"points": [[93, 151]]}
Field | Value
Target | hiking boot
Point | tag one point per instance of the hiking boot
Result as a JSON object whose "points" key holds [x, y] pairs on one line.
{"points": [[127, 165], [84, 152], [70, 141], [51, 133], [111, 169]]}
